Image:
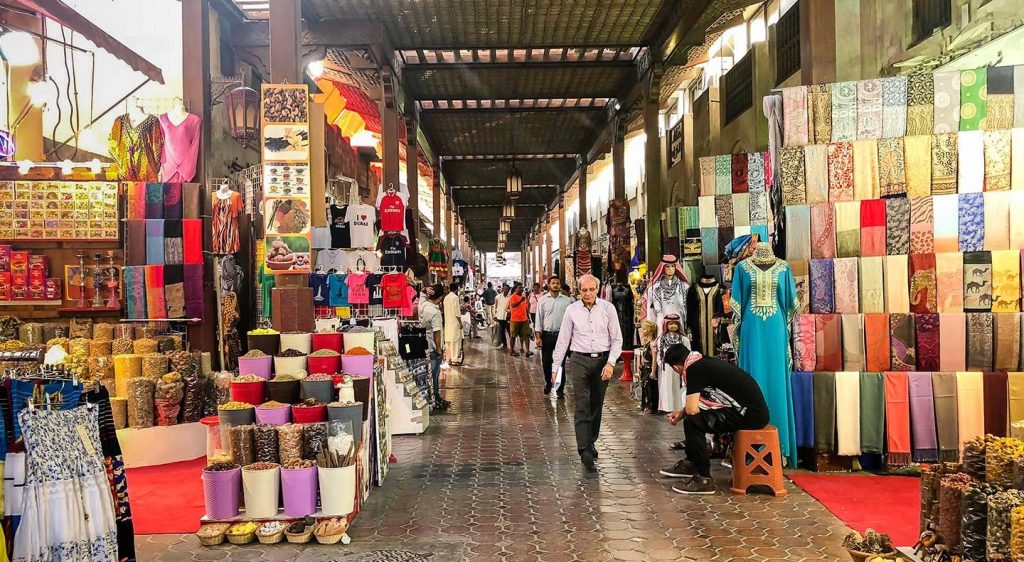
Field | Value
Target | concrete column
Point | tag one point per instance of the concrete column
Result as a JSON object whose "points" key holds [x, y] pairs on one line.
{"points": [[817, 41], [619, 159], [653, 151], [412, 160], [389, 138], [549, 263], [285, 35], [581, 163], [561, 236], [195, 48], [436, 200]]}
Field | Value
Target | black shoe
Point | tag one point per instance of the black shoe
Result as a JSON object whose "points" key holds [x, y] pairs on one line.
{"points": [[588, 461], [677, 446], [697, 485], [547, 389], [561, 396], [529, 354], [593, 451], [682, 469]]}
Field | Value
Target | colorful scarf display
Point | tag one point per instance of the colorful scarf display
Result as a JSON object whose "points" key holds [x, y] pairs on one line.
{"points": [[739, 173], [723, 174], [816, 172], [865, 169], [972, 222], [822, 286], [741, 209], [723, 210], [840, 171], [174, 252], [897, 284], [853, 342], [897, 416], [820, 108], [977, 281], [796, 126], [947, 102], [918, 162], [823, 231], [845, 275], [135, 200], [156, 303], [706, 211], [922, 234], [997, 146], [794, 190], [920, 104], [927, 341], [1007, 338], [869, 109], [946, 416], [824, 411], [946, 210], [173, 203], [798, 232], [135, 242], [922, 418], [997, 220], [894, 107], [154, 201], [155, 241], [193, 290], [709, 246], [996, 403], [872, 287], [759, 207], [1016, 219], [135, 291], [980, 332], [970, 406], [897, 226], [973, 91], [970, 162], [923, 284], [174, 290], [892, 179], [872, 227], [192, 201], [945, 158], [1006, 281], [801, 270], [828, 342], [707, 174], [803, 408], [848, 413], [872, 412], [192, 240], [756, 171], [952, 341], [876, 342], [844, 111], [903, 354], [803, 342]]}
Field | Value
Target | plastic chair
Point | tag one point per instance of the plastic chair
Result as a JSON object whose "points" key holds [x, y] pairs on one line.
{"points": [[757, 460]]}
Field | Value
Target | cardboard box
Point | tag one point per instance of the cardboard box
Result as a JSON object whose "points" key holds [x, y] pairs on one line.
{"points": [[19, 280], [40, 263], [5, 285], [19, 261], [5, 258], [52, 288], [292, 309]]}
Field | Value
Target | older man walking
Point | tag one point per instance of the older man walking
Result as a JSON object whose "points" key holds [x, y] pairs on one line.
{"points": [[591, 335]]}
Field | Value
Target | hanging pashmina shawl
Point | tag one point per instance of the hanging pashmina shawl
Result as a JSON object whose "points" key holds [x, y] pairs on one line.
{"points": [[816, 172], [897, 226], [853, 342], [795, 122], [977, 281], [922, 235], [972, 222], [980, 349], [1006, 286], [872, 286], [877, 345], [894, 107], [824, 411], [844, 111], [897, 418], [996, 403], [793, 176], [822, 286], [707, 175], [947, 102], [997, 220], [926, 339], [865, 169], [920, 104], [872, 227], [869, 109], [892, 177], [872, 412], [820, 108], [845, 272], [922, 418], [848, 229], [971, 162], [723, 174], [997, 147], [1007, 338], [918, 162], [840, 171], [823, 231], [973, 91], [923, 284], [952, 341], [946, 416], [901, 343], [803, 342], [848, 413], [945, 158], [828, 342], [970, 406], [739, 173], [897, 283]]}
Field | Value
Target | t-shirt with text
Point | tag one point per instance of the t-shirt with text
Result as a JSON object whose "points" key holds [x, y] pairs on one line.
{"points": [[392, 213], [360, 219], [357, 290]]}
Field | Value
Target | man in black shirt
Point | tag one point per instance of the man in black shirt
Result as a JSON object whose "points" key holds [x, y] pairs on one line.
{"points": [[489, 295], [720, 398]]}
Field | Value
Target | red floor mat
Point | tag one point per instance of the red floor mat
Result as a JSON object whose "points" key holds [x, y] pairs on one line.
{"points": [[167, 499], [887, 504]]}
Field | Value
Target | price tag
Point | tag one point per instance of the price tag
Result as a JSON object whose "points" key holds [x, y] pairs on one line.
{"points": [[83, 434]]}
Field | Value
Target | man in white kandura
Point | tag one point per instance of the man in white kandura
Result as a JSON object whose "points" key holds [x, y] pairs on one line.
{"points": [[590, 333]]}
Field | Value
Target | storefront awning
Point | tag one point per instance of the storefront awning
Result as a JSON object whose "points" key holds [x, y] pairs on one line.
{"points": [[65, 15]]}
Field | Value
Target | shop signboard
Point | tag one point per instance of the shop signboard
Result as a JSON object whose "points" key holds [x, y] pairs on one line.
{"points": [[675, 144]]}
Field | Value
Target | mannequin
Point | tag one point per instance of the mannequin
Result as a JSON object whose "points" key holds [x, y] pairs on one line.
{"points": [[670, 386], [622, 299], [584, 251], [704, 311], [136, 144], [666, 293], [181, 131], [227, 205], [763, 303], [648, 368]]}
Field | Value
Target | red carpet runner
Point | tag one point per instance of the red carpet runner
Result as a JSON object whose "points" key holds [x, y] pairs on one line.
{"points": [[167, 499], [887, 504]]}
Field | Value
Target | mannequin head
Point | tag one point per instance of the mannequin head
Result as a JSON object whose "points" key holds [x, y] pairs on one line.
{"points": [[673, 326], [648, 331]]}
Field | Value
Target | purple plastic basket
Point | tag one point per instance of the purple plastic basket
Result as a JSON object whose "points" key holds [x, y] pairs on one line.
{"points": [[299, 488], [221, 492], [274, 416], [259, 366], [358, 365]]}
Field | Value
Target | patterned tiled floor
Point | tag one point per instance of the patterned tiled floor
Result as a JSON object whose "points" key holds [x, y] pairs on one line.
{"points": [[498, 479]]}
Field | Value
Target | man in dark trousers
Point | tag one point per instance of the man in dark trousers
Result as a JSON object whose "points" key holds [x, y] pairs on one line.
{"points": [[550, 312], [590, 333], [720, 398]]}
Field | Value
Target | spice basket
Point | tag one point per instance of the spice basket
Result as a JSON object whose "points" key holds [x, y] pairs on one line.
{"points": [[289, 365], [300, 538], [329, 539], [358, 365], [327, 365], [309, 414], [267, 343], [337, 490], [259, 366], [274, 416], [299, 341], [231, 418], [327, 340], [261, 489], [299, 486], [285, 392], [221, 492], [248, 392], [242, 539], [217, 538], [364, 338], [271, 539], [352, 413], [323, 390]]}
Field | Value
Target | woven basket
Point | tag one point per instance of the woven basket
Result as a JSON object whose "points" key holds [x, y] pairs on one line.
{"points": [[271, 539], [300, 538], [329, 539], [858, 556], [214, 540], [242, 539]]}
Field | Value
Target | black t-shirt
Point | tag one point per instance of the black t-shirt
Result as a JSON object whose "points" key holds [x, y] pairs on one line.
{"points": [[373, 285], [392, 247], [321, 292], [412, 344], [341, 236], [727, 384], [489, 296]]}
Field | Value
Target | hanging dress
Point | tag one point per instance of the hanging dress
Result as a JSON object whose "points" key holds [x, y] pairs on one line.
{"points": [[763, 304], [704, 304], [68, 511], [622, 299], [225, 223], [137, 150]]}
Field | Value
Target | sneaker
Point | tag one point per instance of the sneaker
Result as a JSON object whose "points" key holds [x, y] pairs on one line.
{"points": [[682, 469], [727, 463], [697, 485]]}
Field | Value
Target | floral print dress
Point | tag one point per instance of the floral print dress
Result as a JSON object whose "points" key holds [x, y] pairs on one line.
{"points": [[68, 511]]}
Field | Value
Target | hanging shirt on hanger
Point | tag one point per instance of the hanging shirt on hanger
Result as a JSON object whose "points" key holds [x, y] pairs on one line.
{"points": [[137, 150], [225, 223], [321, 289], [357, 290], [392, 212], [321, 238], [360, 218], [392, 249], [362, 260], [180, 148], [393, 286], [338, 289], [332, 260], [340, 231], [373, 282]]}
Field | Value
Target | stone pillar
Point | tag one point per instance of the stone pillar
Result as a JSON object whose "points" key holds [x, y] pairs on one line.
{"points": [[549, 263], [436, 200], [285, 35], [195, 43], [817, 41], [581, 164], [561, 237], [619, 159], [412, 176], [652, 148], [389, 134]]}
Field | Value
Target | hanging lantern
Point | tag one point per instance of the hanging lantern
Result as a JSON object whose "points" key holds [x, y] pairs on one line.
{"points": [[243, 107], [508, 210], [514, 183], [505, 227]]}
